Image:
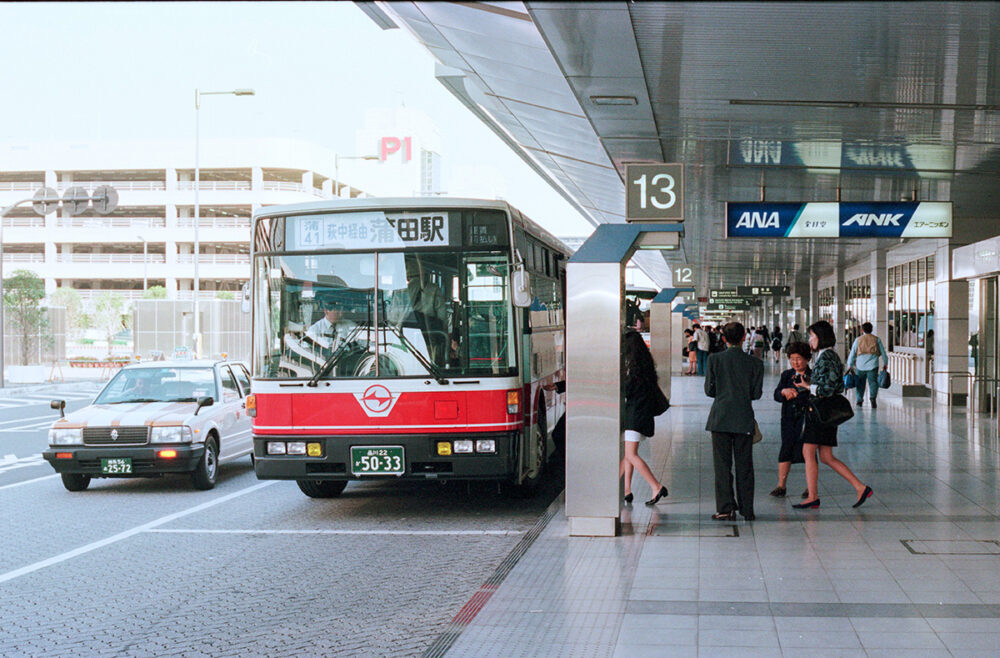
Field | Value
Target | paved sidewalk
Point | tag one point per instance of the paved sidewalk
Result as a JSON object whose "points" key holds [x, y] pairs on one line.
{"points": [[912, 572]]}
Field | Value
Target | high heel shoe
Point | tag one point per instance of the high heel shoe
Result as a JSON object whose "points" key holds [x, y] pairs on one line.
{"points": [[811, 505], [628, 499], [662, 493]]}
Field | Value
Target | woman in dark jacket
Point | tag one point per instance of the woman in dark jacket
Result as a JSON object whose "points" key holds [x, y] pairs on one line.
{"points": [[827, 379], [643, 401], [793, 412]]}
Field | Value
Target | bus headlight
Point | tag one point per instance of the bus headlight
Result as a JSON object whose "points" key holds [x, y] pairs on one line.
{"points": [[486, 445], [171, 434], [276, 447], [65, 437], [296, 447], [463, 446]]}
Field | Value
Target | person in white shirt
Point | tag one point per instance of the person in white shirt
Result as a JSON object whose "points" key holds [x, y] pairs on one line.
{"points": [[332, 328], [703, 344]]}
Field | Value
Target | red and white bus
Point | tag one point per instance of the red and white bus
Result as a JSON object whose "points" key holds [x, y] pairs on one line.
{"points": [[414, 338]]}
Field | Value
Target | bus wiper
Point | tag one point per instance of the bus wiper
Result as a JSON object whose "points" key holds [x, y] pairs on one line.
{"points": [[433, 369], [329, 364]]}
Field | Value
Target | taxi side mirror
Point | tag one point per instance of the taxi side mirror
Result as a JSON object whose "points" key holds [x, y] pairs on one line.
{"points": [[204, 402], [60, 405]]}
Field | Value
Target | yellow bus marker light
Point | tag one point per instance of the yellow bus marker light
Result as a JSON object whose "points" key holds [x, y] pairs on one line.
{"points": [[444, 448]]}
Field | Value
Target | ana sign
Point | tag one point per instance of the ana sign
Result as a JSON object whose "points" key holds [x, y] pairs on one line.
{"points": [[920, 219]]}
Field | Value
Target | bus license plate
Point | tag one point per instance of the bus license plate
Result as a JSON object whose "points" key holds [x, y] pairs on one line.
{"points": [[377, 460], [117, 466]]}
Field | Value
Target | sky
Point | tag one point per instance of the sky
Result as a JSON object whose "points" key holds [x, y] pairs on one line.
{"points": [[109, 71]]}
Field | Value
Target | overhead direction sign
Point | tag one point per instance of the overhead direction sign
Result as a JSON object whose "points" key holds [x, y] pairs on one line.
{"points": [[654, 192], [755, 291], [727, 306], [919, 219]]}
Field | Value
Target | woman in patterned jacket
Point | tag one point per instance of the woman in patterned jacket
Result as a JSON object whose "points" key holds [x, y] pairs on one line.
{"points": [[827, 379]]}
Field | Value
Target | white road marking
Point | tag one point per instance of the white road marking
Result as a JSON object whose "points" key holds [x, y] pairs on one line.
{"points": [[21, 484], [24, 428], [50, 417], [8, 464], [68, 555], [338, 532]]}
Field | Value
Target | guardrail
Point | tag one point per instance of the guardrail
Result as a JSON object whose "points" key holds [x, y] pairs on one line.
{"points": [[18, 222], [112, 258], [903, 367], [120, 185], [20, 186], [113, 222], [214, 222], [14, 257], [221, 185], [219, 259]]}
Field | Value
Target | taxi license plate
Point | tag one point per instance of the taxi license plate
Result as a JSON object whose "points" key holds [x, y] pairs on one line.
{"points": [[377, 460], [117, 466]]}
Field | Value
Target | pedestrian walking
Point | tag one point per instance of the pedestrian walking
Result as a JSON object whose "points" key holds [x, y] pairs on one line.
{"points": [[758, 342], [796, 336], [793, 412], [866, 352], [643, 401], [776, 344], [734, 379], [692, 352], [819, 440], [703, 344]]}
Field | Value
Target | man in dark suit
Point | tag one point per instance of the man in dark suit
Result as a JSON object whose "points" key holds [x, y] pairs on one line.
{"points": [[734, 379]]}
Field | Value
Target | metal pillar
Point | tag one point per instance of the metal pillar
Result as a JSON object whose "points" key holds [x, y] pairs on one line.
{"points": [[594, 321], [662, 342]]}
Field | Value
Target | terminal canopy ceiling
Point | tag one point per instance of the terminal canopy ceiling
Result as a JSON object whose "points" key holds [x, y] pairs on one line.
{"points": [[874, 101]]}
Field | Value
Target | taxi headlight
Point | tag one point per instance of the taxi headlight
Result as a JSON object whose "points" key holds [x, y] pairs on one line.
{"points": [[65, 437], [171, 434]]}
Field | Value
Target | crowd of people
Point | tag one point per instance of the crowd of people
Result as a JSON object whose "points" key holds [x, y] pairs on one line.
{"points": [[732, 362]]}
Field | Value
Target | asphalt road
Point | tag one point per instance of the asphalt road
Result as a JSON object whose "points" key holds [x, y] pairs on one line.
{"points": [[145, 567]]}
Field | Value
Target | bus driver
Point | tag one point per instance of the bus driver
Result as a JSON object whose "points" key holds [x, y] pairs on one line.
{"points": [[332, 328]]}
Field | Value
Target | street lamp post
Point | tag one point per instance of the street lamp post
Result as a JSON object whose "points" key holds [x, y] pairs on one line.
{"points": [[336, 168], [197, 207]]}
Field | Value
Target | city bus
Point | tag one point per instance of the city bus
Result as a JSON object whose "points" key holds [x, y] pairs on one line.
{"points": [[405, 338]]}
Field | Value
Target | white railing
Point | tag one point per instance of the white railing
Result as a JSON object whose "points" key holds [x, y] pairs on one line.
{"points": [[113, 222], [283, 186], [222, 185], [125, 294], [903, 367], [119, 185], [214, 222], [221, 259], [20, 186], [112, 258], [11, 257], [19, 222], [186, 295]]}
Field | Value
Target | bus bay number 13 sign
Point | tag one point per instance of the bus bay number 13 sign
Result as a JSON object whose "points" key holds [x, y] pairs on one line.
{"points": [[654, 192]]}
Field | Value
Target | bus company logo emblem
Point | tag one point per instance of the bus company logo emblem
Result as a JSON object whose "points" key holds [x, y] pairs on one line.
{"points": [[114, 435], [377, 401]]}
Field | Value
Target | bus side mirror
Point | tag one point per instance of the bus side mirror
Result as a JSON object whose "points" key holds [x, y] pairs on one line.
{"points": [[520, 286]]}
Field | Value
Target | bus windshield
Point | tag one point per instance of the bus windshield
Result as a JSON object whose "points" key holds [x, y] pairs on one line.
{"points": [[391, 314]]}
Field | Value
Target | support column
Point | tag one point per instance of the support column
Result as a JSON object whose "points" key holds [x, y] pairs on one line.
{"points": [[813, 303], [951, 328], [880, 297], [839, 319]]}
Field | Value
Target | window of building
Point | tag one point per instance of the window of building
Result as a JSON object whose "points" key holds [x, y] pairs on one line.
{"points": [[911, 302]]}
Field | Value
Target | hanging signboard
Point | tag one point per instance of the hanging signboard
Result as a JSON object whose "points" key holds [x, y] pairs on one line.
{"points": [[727, 306], [920, 219], [774, 291], [654, 192]]}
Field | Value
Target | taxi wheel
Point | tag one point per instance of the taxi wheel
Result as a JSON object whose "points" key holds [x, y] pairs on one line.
{"points": [[75, 481], [207, 470], [322, 488]]}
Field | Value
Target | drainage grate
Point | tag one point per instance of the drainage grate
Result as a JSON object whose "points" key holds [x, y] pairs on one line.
{"points": [[691, 529], [952, 546]]}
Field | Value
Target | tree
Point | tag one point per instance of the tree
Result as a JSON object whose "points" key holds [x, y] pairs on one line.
{"points": [[108, 315], [23, 292], [225, 294], [76, 319], [155, 292]]}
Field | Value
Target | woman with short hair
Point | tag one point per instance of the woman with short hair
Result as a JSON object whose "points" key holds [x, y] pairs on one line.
{"points": [[827, 380], [793, 412]]}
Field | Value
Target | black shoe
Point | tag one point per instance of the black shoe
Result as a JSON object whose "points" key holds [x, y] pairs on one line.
{"points": [[779, 492], [749, 517], [813, 505], [662, 493], [874, 404], [859, 403], [865, 495], [628, 499]]}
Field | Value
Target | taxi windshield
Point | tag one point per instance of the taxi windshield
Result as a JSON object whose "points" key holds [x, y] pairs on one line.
{"points": [[159, 385]]}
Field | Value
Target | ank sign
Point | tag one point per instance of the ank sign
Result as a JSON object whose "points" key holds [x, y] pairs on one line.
{"points": [[921, 219]]}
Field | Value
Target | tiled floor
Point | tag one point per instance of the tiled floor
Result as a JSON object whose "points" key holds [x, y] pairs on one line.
{"points": [[916, 571]]}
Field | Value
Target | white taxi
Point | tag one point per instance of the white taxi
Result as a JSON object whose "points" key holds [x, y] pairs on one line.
{"points": [[156, 418]]}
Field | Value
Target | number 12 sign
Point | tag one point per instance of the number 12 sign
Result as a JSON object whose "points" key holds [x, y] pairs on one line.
{"points": [[654, 192]]}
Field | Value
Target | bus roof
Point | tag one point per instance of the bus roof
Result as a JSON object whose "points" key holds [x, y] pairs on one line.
{"points": [[380, 203]]}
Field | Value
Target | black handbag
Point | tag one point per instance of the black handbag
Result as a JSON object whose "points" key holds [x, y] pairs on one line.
{"points": [[830, 411], [884, 380]]}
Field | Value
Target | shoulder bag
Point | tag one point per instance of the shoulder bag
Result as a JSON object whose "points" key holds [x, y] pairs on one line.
{"points": [[757, 436], [850, 380], [830, 411]]}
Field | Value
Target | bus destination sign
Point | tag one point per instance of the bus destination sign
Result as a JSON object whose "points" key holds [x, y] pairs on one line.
{"points": [[371, 230]]}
